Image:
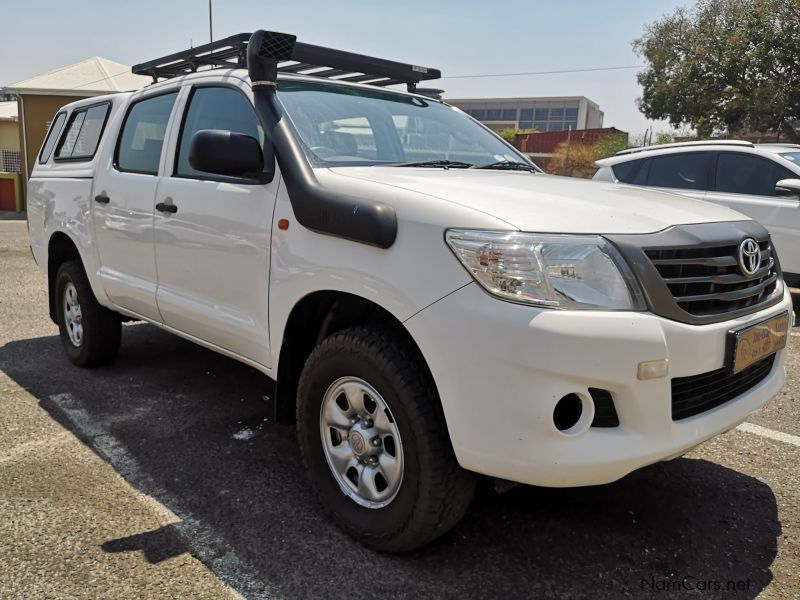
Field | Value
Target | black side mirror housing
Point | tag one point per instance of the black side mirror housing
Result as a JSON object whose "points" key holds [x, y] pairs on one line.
{"points": [[229, 153], [788, 187]]}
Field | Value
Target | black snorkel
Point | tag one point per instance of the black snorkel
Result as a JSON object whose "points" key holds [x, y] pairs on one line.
{"points": [[315, 207]]}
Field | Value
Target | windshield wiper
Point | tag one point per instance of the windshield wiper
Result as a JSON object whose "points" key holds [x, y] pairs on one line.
{"points": [[447, 164], [509, 165]]}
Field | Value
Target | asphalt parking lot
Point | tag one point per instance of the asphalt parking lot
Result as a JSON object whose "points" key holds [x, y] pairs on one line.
{"points": [[162, 477]]}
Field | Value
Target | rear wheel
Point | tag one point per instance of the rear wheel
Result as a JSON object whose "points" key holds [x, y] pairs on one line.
{"points": [[89, 332], [374, 441]]}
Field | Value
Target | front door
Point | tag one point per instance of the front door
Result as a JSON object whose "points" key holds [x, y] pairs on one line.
{"points": [[124, 195], [212, 236]]}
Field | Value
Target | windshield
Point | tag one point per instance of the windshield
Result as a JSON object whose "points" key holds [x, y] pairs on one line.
{"points": [[346, 126], [792, 156]]}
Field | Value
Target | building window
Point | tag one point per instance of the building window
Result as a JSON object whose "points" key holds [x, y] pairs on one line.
{"points": [[571, 114], [479, 114], [526, 114], [493, 114], [573, 124], [540, 125], [509, 114], [555, 126], [556, 114], [541, 114], [525, 125], [10, 161]]}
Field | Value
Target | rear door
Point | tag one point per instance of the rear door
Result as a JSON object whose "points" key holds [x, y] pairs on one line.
{"points": [[685, 173], [212, 252], [124, 195], [746, 182]]}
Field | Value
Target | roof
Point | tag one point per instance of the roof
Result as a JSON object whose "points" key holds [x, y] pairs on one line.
{"points": [[694, 144], [96, 75], [779, 147], [521, 99], [767, 150], [8, 111]]}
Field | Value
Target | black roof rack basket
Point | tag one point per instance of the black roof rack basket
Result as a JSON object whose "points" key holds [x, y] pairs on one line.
{"points": [[306, 59]]}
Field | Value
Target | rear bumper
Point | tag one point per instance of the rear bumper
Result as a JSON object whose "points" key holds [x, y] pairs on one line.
{"points": [[500, 368]]}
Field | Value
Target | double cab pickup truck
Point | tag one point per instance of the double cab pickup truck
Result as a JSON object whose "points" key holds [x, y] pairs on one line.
{"points": [[430, 306]]}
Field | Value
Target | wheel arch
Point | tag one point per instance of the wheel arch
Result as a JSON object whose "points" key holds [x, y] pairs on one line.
{"points": [[60, 249], [315, 317]]}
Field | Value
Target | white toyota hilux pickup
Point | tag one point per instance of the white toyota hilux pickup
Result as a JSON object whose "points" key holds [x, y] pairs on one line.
{"points": [[429, 305]]}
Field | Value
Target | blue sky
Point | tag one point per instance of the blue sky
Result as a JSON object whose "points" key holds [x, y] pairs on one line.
{"points": [[459, 37]]}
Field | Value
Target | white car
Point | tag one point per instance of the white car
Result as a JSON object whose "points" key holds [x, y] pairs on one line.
{"points": [[429, 305], [761, 181]]}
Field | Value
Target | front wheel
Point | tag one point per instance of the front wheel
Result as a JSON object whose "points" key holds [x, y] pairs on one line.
{"points": [[89, 332], [374, 441]]}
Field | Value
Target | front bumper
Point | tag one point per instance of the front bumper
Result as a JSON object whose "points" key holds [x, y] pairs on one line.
{"points": [[500, 368]]}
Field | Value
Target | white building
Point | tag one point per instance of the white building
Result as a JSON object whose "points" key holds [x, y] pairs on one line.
{"points": [[542, 114]]}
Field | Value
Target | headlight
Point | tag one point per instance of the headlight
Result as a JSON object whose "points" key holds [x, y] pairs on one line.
{"points": [[559, 271]]}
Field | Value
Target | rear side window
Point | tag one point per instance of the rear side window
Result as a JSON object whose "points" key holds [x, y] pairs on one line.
{"points": [[745, 174], [685, 171], [83, 132], [633, 171], [142, 137], [52, 136], [215, 108]]}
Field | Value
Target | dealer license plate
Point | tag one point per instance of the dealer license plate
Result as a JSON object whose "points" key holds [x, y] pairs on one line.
{"points": [[758, 341]]}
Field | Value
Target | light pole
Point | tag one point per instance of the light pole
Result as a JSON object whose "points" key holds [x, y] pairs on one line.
{"points": [[210, 24]]}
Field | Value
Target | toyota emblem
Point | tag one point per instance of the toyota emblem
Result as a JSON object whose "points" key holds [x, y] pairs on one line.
{"points": [[749, 257]]}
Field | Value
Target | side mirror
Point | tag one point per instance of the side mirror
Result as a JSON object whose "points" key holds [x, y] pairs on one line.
{"points": [[788, 187], [228, 153]]}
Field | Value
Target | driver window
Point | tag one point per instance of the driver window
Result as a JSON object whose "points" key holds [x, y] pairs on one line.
{"points": [[215, 108]]}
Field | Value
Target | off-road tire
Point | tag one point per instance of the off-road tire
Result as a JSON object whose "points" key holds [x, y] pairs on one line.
{"points": [[435, 491], [102, 328]]}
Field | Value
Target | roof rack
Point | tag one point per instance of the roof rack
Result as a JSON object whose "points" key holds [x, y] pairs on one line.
{"points": [[306, 59], [686, 144]]}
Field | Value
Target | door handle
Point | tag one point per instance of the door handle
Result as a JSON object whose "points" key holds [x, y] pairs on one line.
{"points": [[102, 198], [166, 208]]}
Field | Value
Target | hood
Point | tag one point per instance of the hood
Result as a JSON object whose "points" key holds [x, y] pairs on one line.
{"points": [[546, 203]]}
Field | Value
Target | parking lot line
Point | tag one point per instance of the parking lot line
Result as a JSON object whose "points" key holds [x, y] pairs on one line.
{"points": [[779, 436], [204, 542]]}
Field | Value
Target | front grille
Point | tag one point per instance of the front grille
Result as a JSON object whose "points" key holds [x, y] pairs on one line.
{"points": [[698, 393], [707, 281]]}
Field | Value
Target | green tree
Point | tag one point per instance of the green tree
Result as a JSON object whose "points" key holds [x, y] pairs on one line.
{"points": [[610, 145], [510, 135], [724, 65], [664, 138]]}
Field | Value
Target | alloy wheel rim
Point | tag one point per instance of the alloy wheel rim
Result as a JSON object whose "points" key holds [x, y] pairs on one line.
{"points": [[361, 442], [72, 315]]}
